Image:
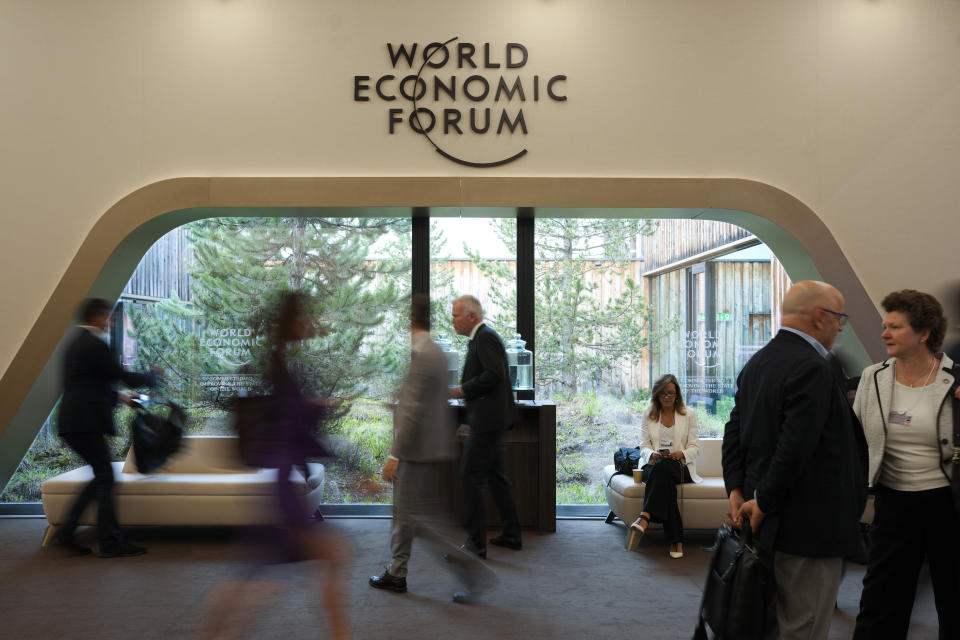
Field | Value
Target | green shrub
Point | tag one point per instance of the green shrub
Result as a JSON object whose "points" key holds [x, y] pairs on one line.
{"points": [[724, 407], [710, 426], [591, 406], [572, 469], [580, 494]]}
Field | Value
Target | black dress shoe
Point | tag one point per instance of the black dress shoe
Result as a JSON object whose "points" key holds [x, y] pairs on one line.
{"points": [[480, 552], [122, 550], [389, 582], [510, 542]]}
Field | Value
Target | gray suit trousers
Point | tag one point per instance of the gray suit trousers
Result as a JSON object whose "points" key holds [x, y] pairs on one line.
{"points": [[419, 510], [806, 595]]}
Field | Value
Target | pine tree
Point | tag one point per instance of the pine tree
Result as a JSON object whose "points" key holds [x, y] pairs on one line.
{"points": [[241, 266], [578, 337]]}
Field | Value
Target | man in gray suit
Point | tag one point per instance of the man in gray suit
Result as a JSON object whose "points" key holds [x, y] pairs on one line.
{"points": [[423, 438]]}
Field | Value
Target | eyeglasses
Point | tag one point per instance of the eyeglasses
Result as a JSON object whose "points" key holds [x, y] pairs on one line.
{"points": [[669, 394], [841, 317]]}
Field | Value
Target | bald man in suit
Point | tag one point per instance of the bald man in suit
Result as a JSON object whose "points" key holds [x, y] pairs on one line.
{"points": [[794, 460]]}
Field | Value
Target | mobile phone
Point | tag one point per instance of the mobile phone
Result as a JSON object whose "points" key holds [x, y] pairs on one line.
{"points": [[663, 452]]}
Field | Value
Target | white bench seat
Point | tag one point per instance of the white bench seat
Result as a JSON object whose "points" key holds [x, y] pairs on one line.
{"points": [[205, 483]]}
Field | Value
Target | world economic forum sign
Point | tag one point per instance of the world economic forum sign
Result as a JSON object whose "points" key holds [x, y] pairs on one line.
{"points": [[473, 102]]}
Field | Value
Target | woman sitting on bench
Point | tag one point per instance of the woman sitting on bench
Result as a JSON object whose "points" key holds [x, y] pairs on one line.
{"points": [[667, 456]]}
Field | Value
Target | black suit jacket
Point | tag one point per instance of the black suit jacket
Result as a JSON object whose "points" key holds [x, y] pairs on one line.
{"points": [[793, 438], [486, 383], [89, 376]]}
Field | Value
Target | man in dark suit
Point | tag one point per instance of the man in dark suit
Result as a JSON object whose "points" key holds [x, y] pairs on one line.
{"points": [[86, 415], [490, 410], [794, 460]]}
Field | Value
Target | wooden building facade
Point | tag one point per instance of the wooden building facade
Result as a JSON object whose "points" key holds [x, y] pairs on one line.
{"points": [[716, 303]]}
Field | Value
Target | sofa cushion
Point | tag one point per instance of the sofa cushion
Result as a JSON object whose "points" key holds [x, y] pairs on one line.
{"points": [[709, 488], [621, 483], [254, 482]]}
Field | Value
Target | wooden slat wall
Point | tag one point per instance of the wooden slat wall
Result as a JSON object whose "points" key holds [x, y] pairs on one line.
{"points": [[743, 290], [676, 240], [163, 269], [669, 300], [780, 283]]}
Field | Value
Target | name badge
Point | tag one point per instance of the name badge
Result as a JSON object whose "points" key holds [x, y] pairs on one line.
{"points": [[899, 417]]}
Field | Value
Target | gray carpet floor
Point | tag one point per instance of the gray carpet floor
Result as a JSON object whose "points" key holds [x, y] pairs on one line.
{"points": [[579, 582]]}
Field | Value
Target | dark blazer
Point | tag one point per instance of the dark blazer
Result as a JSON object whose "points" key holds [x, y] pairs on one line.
{"points": [[486, 384], [793, 438], [89, 376]]}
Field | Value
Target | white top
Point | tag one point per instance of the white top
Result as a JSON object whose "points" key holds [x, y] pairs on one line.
{"points": [[666, 436], [911, 461], [683, 436]]}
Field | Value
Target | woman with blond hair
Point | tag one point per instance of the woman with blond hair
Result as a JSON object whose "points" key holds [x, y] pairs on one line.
{"points": [[668, 454]]}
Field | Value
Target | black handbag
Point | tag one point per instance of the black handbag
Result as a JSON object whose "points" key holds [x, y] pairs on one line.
{"points": [[155, 437], [738, 590], [626, 459]]}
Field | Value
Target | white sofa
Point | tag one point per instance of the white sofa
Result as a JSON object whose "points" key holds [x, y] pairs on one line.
{"points": [[702, 506], [205, 483]]}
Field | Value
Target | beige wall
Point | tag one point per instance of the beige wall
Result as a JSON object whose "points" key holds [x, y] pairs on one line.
{"points": [[851, 106]]}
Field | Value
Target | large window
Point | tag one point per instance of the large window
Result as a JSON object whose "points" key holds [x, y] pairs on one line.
{"points": [[619, 303], [475, 256], [711, 316], [197, 304], [592, 328], [608, 306]]}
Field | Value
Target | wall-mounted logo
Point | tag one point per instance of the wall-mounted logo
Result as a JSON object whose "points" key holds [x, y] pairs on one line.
{"points": [[466, 100]]}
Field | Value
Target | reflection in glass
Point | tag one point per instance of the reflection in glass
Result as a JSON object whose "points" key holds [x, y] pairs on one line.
{"points": [[196, 306]]}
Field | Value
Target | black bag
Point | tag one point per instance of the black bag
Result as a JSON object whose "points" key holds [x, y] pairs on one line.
{"points": [[155, 438], [625, 460], [738, 589]]}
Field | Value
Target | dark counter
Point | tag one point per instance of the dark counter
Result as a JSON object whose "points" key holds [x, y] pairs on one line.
{"points": [[530, 460]]}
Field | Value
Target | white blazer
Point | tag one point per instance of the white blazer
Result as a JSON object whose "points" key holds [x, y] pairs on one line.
{"points": [[872, 406], [686, 437]]}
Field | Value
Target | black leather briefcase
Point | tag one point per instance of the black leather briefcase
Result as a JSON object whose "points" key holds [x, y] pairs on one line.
{"points": [[738, 590]]}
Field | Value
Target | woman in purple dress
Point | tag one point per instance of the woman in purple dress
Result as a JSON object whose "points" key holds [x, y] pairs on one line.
{"points": [[292, 417]]}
